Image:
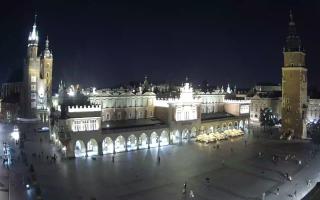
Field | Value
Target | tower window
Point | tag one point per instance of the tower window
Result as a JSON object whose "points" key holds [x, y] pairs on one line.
{"points": [[33, 79]]}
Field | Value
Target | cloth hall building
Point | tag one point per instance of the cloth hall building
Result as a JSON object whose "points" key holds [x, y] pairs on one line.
{"points": [[96, 122]]}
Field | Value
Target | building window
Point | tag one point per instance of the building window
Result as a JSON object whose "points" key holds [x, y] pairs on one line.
{"points": [[33, 87], [33, 79]]}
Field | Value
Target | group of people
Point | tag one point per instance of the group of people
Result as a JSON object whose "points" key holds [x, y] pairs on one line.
{"points": [[52, 159], [184, 190]]}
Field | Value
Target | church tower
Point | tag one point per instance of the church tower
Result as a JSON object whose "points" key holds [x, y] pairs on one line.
{"points": [[32, 74], [37, 79], [294, 85], [46, 71]]}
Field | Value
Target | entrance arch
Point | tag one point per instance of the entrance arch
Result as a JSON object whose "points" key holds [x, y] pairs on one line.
{"points": [[132, 143], [175, 137], [224, 126], [120, 144], [92, 147], [218, 128], [164, 138], [246, 123], [241, 124], [143, 141], [154, 140], [107, 145], [236, 125], [80, 149], [230, 126], [185, 135], [193, 133]]}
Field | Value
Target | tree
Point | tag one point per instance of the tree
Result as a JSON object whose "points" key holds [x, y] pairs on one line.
{"points": [[267, 118]]}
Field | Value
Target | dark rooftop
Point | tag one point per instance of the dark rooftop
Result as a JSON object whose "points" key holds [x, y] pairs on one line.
{"points": [[219, 115], [132, 124]]}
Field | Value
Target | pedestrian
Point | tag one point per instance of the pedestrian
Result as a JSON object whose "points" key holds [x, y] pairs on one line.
{"points": [[295, 193], [245, 143], [278, 190], [158, 159], [191, 195], [112, 158], [309, 182], [184, 190]]}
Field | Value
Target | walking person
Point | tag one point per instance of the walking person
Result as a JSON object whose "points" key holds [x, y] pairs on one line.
{"points": [[112, 158], [184, 187]]}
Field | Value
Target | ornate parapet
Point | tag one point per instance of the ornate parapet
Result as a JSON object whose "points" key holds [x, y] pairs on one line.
{"points": [[78, 109], [237, 101]]}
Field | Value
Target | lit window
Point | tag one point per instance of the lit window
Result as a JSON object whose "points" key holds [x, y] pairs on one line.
{"points": [[33, 79]]}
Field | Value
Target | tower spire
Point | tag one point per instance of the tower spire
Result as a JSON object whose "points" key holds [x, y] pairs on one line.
{"points": [[47, 52], [293, 42], [33, 35], [47, 43], [35, 20]]}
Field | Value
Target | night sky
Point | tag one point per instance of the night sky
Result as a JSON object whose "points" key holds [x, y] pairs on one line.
{"points": [[100, 43]]}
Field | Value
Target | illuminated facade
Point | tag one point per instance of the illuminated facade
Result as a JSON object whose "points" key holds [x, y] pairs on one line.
{"points": [[37, 81], [313, 113], [123, 105], [96, 122]]}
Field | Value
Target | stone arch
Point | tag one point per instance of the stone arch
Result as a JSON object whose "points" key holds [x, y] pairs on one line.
{"points": [[218, 128], [132, 143], [246, 123], [202, 130], [164, 138], [154, 140], [120, 144], [175, 137], [236, 125], [211, 129], [79, 148], [224, 126], [230, 126], [107, 145], [241, 125], [92, 147], [185, 134], [193, 133], [143, 141]]}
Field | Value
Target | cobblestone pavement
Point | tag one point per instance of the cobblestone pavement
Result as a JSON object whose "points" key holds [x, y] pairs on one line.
{"points": [[209, 172]]}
